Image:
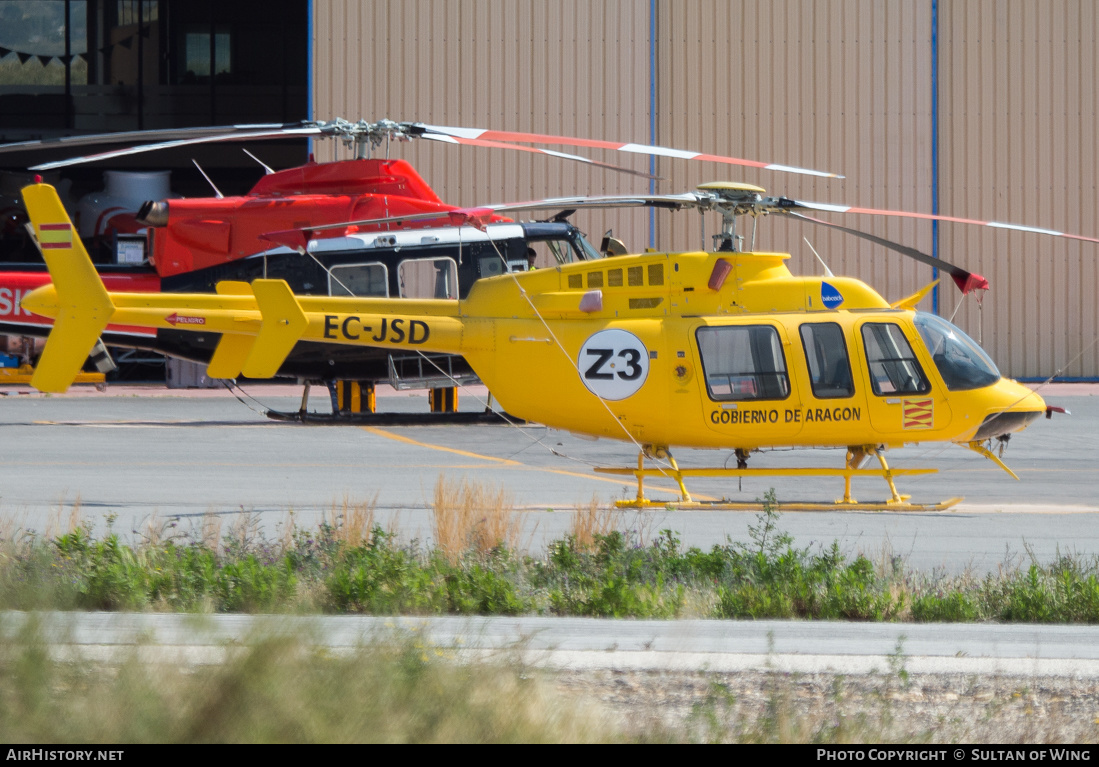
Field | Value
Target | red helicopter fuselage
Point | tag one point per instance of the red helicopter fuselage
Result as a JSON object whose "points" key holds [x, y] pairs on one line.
{"points": [[204, 232]]}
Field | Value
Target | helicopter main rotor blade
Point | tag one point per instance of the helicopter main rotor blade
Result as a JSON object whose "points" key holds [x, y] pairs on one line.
{"points": [[518, 147], [787, 203], [139, 136], [967, 282], [482, 214], [670, 201], [207, 139], [337, 129], [655, 151]]}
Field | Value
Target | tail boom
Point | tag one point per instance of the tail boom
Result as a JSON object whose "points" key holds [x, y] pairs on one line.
{"points": [[259, 323]]}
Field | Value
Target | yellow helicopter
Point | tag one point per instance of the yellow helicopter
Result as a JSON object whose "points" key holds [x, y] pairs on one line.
{"points": [[723, 349]]}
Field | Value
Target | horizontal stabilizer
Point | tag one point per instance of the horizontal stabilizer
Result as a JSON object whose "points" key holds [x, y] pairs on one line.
{"points": [[282, 325], [233, 288]]}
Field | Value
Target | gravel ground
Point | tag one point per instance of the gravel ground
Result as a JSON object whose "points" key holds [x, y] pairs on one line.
{"points": [[886, 708]]}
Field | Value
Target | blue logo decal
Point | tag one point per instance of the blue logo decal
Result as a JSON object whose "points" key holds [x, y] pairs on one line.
{"points": [[830, 296]]}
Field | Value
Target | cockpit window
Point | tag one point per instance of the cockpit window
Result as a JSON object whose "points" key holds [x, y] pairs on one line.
{"points": [[893, 366], [558, 252], [550, 253], [590, 252], [962, 363]]}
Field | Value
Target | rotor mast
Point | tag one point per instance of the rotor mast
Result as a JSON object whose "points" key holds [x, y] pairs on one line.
{"points": [[733, 199]]}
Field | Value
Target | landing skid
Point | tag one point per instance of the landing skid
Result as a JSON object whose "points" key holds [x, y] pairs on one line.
{"points": [[393, 419], [855, 457], [359, 416], [724, 505]]}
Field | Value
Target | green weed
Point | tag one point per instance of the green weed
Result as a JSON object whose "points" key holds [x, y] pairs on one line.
{"points": [[346, 566]]}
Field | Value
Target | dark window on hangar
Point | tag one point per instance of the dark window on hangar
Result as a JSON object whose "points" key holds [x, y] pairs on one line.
{"points": [[203, 50], [97, 66]]}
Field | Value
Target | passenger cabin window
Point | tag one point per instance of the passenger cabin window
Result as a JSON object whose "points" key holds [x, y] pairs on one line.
{"points": [[743, 363], [829, 365], [428, 278], [358, 280], [893, 366]]}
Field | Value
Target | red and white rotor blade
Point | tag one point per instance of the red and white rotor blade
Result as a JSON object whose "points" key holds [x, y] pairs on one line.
{"points": [[656, 151], [447, 139], [829, 208]]}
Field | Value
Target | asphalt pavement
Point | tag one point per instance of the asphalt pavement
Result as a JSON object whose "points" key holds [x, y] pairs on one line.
{"points": [[134, 453], [591, 643]]}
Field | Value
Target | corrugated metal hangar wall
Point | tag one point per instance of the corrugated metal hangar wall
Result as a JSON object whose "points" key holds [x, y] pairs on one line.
{"points": [[852, 86]]}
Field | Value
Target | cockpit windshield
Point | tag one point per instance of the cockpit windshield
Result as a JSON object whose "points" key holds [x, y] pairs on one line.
{"points": [[962, 363], [590, 252], [557, 243]]}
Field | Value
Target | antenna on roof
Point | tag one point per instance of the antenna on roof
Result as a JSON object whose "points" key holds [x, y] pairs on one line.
{"points": [[827, 271], [268, 170], [217, 191]]}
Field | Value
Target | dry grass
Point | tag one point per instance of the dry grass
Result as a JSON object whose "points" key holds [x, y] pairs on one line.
{"points": [[471, 517], [288, 528], [12, 527], [244, 531], [210, 532], [155, 530], [280, 689], [594, 520], [58, 524], [351, 521]]}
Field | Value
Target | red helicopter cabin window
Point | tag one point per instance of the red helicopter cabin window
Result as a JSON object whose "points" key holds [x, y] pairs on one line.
{"points": [[428, 278], [359, 280]]}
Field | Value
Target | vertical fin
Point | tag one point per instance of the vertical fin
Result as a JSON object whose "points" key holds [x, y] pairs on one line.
{"points": [[283, 324], [84, 308]]}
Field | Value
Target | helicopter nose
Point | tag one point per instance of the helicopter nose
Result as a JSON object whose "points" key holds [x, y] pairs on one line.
{"points": [[41, 301], [1017, 406], [1003, 423]]}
